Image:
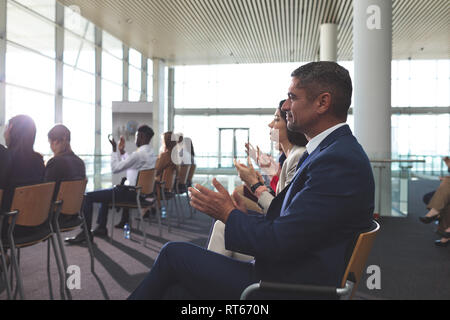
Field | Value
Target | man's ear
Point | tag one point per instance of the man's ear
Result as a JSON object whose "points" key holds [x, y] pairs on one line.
{"points": [[324, 102]]}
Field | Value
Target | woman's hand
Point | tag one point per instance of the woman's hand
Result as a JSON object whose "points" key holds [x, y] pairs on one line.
{"points": [[247, 173], [267, 164], [252, 152]]}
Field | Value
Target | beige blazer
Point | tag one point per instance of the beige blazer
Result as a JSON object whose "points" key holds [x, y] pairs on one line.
{"points": [[286, 175]]}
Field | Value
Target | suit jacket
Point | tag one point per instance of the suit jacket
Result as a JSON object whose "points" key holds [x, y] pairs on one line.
{"points": [[310, 226]]}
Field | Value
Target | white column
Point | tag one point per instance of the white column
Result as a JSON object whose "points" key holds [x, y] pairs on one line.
{"points": [[372, 31], [98, 109], [59, 62], [2, 68], [126, 68], [144, 78], [328, 42], [158, 101], [171, 99]]}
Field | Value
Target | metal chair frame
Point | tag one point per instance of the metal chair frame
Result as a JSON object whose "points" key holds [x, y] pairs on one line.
{"points": [[350, 279]]}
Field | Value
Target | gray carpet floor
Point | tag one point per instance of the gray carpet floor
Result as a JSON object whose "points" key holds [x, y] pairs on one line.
{"points": [[411, 266], [119, 265]]}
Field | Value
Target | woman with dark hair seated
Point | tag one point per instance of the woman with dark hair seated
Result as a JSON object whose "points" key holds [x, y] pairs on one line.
{"points": [[291, 143], [26, 166]]}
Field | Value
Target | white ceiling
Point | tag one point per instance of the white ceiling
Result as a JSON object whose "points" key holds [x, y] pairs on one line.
{"points": [[260, 31]]}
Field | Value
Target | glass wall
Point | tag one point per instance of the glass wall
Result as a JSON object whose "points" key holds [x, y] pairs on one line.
{"points": [[134, 75], [30, 51], [31, 74], [415, 83]]}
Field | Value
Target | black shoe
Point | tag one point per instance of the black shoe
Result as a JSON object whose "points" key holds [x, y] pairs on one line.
{"points": [[79, 238], [120, 225], [147, 214], [427, 220], [100, 232], [443, 234], [439, 243]]}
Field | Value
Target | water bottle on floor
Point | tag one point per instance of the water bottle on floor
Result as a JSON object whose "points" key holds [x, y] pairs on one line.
{"points": [[163, 212], [126, 231]]}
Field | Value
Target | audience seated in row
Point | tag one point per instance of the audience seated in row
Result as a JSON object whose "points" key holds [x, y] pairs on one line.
{"points": [[309, 227], [438, 204], [141, 159]]}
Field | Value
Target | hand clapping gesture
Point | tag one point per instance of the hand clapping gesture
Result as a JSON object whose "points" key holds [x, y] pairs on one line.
{"points": [[215, 204], [248, 174]]}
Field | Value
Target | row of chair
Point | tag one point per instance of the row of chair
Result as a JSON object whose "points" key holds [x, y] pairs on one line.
{"points": [[38, 215], [150, 193], [34, 212]]}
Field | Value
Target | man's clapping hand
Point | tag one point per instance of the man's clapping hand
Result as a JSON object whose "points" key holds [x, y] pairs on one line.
{"points": [[215, 204]]}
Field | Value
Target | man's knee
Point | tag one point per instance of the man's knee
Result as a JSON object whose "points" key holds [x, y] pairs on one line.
{"points": [[176, 252], [174, 247]]}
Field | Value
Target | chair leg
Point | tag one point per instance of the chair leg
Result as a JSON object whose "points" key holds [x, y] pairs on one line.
{"points": [[62, 273], [177, 209], [15, 263], [189, 205], [5, 272], [89, 242], [63, 258], [113, 209], [49, 278], [166, 204], [145, 230], [158, 215], [178, 196]]}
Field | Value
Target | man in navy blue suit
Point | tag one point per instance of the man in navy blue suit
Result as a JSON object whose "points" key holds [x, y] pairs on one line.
{"points": [[310, 226]]}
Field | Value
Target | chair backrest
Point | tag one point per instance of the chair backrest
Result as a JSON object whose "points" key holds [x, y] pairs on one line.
{"points": [[183, 171], [71, 193], [191, 172], [33, 203], [359, 257], [168, 177], [146, 180]]}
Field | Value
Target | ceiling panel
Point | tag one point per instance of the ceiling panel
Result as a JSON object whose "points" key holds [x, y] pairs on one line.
{"points": [[259, 31]]}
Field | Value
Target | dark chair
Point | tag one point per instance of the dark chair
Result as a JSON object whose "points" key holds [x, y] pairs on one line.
{"points": [[69, 216], [165, 192], [181, 185], [189, 184], [349, 284], [29, 224], [145, 198], [4, 261]]}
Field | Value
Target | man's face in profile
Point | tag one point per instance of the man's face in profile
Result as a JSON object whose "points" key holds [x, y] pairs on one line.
{"points": [[300, 112]]}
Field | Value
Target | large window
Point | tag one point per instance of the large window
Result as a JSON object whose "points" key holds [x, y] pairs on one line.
{"points": [[415, 83], [31, 67], [134, 76], [79, 82], [39, 106], [232, 86], [421, 83], [205, 138]]}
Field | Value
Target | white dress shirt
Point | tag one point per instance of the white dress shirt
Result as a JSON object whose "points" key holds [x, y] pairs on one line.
{"points": [[314, 142], [141, 159]]}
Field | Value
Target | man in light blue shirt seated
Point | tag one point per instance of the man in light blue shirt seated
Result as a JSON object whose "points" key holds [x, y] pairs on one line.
{"points": [[141, 159]]}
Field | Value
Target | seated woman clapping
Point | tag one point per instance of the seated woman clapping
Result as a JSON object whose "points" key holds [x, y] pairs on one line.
{"points": [[293, 146]]}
